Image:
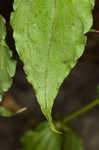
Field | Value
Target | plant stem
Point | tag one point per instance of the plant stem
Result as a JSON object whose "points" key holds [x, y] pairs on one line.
{"points": [[81, 111], [93, 30]]}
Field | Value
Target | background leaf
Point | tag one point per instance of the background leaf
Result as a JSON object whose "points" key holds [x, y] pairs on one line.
{"points": [[49, 38], [5, 113], [71, 140], [7, 64], [43, 138]]}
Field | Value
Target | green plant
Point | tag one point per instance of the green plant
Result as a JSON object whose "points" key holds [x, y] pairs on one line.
{"points": [[49, 38], [43, 138]]}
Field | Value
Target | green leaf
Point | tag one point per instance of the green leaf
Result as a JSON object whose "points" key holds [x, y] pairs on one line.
{"points": [[41, 139], [44, 139], [5, 113], [7, 65], [49, 38], [71, 140]]}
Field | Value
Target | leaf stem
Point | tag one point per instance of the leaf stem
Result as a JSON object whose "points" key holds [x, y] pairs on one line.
{"points": [[81, 111], [93, 30]]}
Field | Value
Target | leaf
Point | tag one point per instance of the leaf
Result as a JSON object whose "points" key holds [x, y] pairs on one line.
{"points": [[43, 138], [71, 140], [49, 38], [7, 65], [5, 113]]}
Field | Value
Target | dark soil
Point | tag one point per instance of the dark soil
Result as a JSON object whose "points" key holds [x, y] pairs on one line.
{"points": [[78, 90]]}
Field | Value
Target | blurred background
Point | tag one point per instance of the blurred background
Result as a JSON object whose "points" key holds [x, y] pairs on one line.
{"points": [[78, 89]]}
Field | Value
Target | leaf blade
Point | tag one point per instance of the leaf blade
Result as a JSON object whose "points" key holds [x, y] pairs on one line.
{"points": [[7, 64], [5, 113], [43, 138], [53, 31]]}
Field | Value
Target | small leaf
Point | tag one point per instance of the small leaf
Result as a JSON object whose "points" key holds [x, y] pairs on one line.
{"points": [[7, 64], [44, 139], [5, 113], [49, 38]]}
